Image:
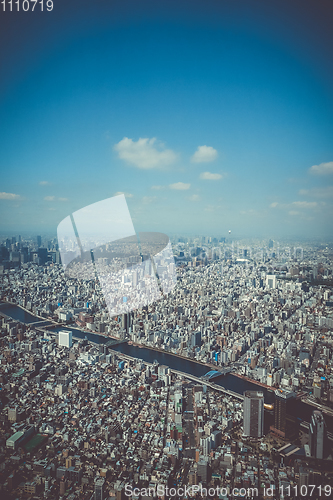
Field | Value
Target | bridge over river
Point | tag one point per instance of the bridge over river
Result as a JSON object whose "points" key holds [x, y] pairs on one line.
{"points": [[216, 387], [216, 373]]}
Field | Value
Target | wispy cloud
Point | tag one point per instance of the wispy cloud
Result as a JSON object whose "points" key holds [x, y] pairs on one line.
{"points": [[208, 176], [293, 212], [322, 168], [9, 196], [53, 198], [128, 195], [157, 188], [323, 192], [194, 197], [145, 153], [180, 186], [304, 204], [212, 208], [44, 183], [295, 204], [204, 154], [148, 199]]}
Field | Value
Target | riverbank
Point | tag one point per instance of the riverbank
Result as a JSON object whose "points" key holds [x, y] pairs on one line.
{"points": [[268, 387]]}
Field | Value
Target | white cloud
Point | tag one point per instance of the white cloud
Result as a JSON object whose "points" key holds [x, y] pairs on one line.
{"points": [[194, 197], [322, 168], [212, 208], [208, 176], [44, 183], [323, 192], [157, 188], [296, 205], [204, 154], [9, 196], [143, 154], [180, 186], [148, 199], [128, 195], [304, 204], [53, 198]]}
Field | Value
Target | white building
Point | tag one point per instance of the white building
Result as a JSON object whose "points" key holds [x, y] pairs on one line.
{"points": [[65, 338], [271, 281]]}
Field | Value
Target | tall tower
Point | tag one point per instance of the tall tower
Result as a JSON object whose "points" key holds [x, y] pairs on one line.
{"points": [[285, 423], [253, 420], [99, 488], [317, 435]]}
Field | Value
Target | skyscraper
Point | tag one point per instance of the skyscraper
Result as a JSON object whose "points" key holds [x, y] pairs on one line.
{"points": [[271, 281], [39, 241], [203, 469], [196, 339], [253, 419], [65, 338], [42, 256], [99, 488], [317, 435], [285, 423]]}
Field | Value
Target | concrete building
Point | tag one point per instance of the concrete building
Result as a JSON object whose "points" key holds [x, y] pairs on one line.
{"points": [[65, 338], [271, 281], [285, 424], [253, 420], [317, 435]]}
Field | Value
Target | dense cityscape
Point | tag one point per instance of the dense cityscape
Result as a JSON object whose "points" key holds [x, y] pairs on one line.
{"points": [[166, 250], [82, 416]]}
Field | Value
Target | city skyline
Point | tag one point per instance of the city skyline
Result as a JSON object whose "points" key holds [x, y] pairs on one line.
{"points": [[211, 120]]}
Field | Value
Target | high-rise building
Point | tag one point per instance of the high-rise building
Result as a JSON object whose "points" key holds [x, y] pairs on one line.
{"points": [[206, 445], [285, 423], [253, 420], [99, 489], [39, 241], [196, 339], [317, 435], [271, 281], [125, 320], [65, 338], [135, 278], [57, 257], [42, 256], [203, 470]]}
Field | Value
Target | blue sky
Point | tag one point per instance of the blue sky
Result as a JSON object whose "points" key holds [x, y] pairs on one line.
{"points": [[209, 116]]}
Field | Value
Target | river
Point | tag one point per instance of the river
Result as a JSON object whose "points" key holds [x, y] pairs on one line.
{"points": [[229, 381]]}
